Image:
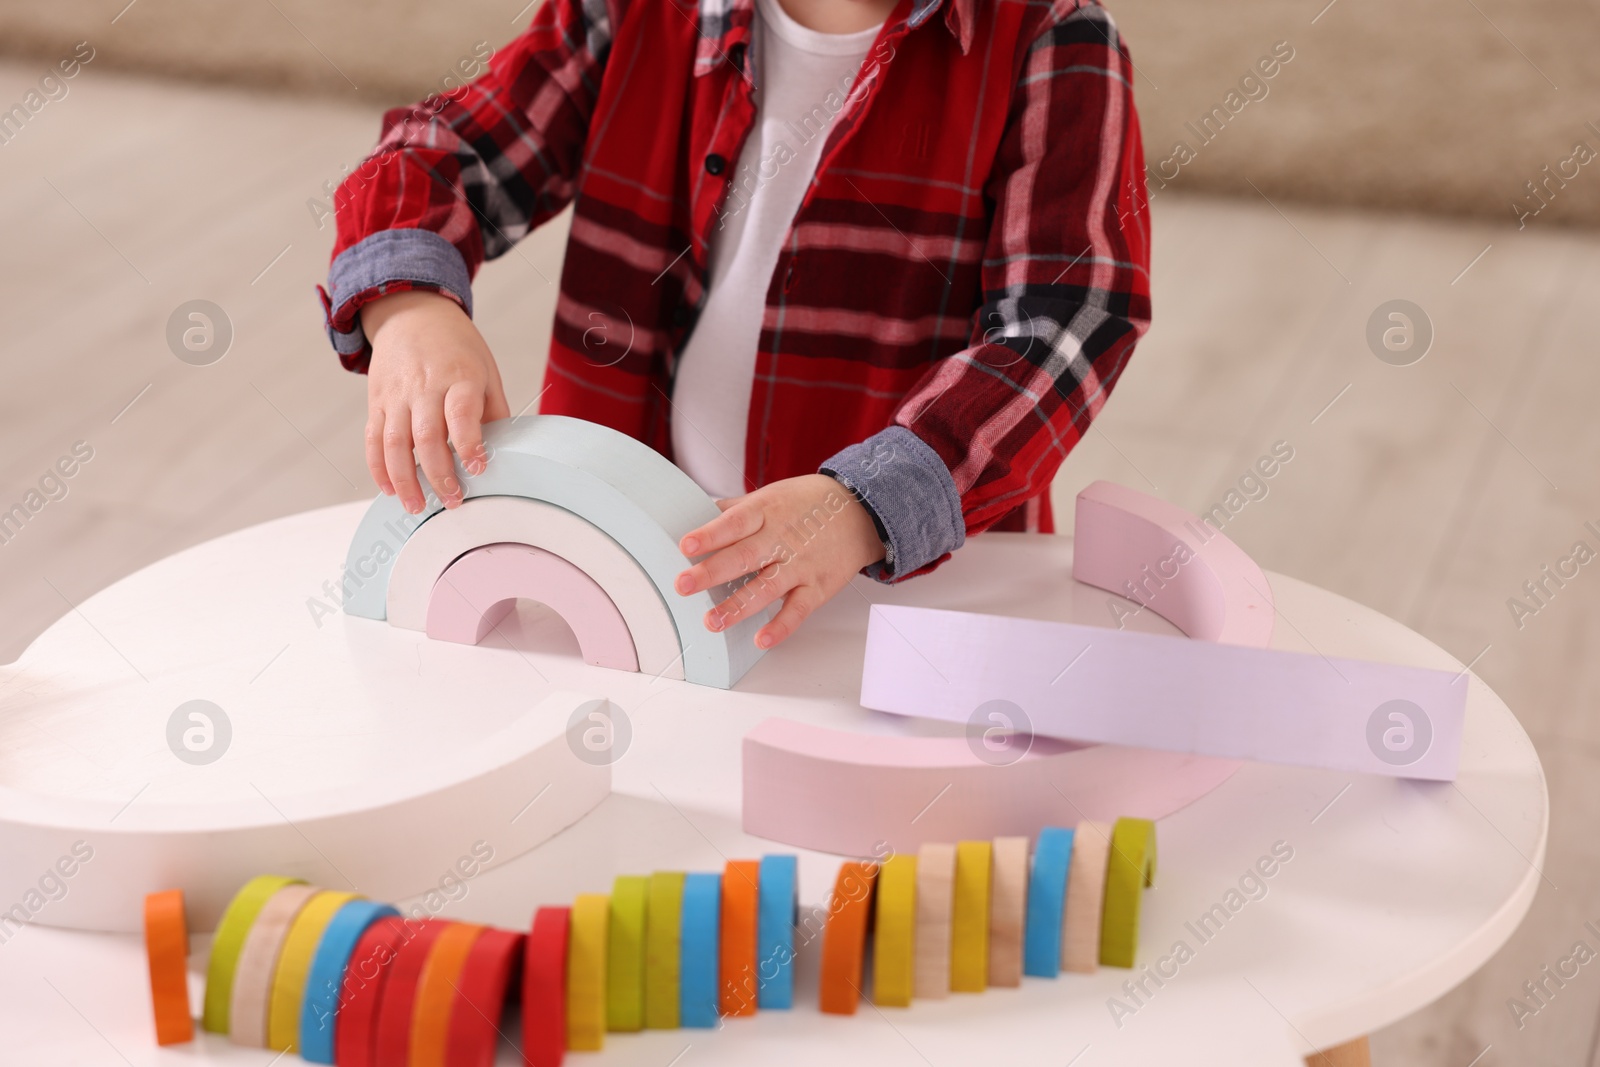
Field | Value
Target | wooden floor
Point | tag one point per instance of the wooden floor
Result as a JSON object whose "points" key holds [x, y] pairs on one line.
{"points": [[1431, 492]]}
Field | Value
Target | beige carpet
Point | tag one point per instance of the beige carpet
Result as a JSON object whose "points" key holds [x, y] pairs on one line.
{"points": [[1431, 106]]}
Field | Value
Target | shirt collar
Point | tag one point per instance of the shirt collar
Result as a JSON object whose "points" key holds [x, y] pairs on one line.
{"points": [[725, 27]]}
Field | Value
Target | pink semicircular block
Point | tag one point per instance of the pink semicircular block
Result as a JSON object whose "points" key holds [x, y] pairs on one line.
{"points": [[849, 793], [482, 586], [856, 794]]}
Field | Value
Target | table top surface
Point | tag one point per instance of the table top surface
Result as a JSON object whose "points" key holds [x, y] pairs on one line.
{"points": [[1392, 891]]}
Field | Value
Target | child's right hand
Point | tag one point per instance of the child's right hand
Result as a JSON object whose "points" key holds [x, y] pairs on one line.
{"points": [[432, 382]]}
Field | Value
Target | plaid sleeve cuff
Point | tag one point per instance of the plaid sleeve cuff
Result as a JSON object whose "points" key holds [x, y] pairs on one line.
{"points": [[388, 261], [911, 496]]}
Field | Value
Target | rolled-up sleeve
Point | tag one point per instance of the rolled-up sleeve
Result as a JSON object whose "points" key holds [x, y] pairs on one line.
{"points": [[463, 176], [1066, 297]]}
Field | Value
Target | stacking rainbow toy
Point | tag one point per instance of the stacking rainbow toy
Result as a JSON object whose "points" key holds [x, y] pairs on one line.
{"points": [[340, 979]]}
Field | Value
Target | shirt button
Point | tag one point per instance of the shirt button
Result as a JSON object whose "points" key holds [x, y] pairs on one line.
{"points": [[715, 164], [788, 278]]}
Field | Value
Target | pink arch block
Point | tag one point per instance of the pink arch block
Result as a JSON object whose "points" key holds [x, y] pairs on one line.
{"points": [[848, 793], [856, 794], [1171, 562], [481, 587]]}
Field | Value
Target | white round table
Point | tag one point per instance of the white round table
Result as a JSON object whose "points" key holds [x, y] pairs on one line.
{"points": [[1393, 892]]}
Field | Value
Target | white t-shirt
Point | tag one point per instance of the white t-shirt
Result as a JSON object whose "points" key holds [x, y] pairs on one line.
{"points": [[804, 78]]}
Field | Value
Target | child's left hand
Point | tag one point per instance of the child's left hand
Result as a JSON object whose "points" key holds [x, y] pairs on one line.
{"points": [[802, 538]]}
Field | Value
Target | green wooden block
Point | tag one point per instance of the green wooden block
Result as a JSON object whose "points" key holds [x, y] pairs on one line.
{"points": [[1130, 868], [625, 947], [663, 944]]}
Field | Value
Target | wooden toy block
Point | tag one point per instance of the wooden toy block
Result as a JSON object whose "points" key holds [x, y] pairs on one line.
{"points": [[1047, 899], [318, 823], [392, 1039], [436, 993], [777, 912], [895, 932], [1130, 867], [663, 954], [851, 793], [844, 938], [294, 968], [969, 918], [482, 587], [624, 488], [355, 1031], [698, 958], [737, 950], [1163, 558], [228, 942], [331, 984], [586, 973], [1121, 687], [252, 980], [474, 1033], [1008, 909], [166, 945], [936, 880], [1086, 884], [630, 902], [544, 989], [487, 520]]}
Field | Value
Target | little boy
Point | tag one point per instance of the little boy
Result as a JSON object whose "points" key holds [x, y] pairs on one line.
{"points": [[871, 261]]}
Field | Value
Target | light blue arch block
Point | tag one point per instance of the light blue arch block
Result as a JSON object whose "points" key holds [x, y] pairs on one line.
{"points": [[1047, 901], [698, 957], [625, 488]]}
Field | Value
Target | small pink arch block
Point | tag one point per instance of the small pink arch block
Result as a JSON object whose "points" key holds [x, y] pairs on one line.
{"points": [[481, 587], [1162, 557]]}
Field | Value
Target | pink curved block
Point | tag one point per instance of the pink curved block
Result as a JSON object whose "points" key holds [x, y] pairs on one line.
{"points": [[1170, 561], [855, 794], [842, 792], [478, 590]]}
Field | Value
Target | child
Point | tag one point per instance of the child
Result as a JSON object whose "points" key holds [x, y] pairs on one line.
{"points": [[865, 269]]}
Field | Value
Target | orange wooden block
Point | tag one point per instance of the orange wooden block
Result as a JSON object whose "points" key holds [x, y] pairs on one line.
{"points": [[436, 994], [736, 970], [166, 946], [844, 938]]}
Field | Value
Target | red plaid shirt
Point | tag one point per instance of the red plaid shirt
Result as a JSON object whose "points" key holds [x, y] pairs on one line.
{"points": [[964, 281]]}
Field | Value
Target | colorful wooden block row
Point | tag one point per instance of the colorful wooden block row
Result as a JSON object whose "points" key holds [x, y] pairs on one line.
{"points": [[974, 915], [343, 980], [621, 489], [1121, 687]]}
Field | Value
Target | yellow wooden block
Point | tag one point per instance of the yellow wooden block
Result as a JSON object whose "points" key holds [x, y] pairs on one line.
{"points": [[294, 967], [1130, 867], [894, 945], [969, 918], [586, 972], [630, 903]]}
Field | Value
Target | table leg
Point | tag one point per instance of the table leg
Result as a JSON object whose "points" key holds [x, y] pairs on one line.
{"points": [[1350, 1054]]}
